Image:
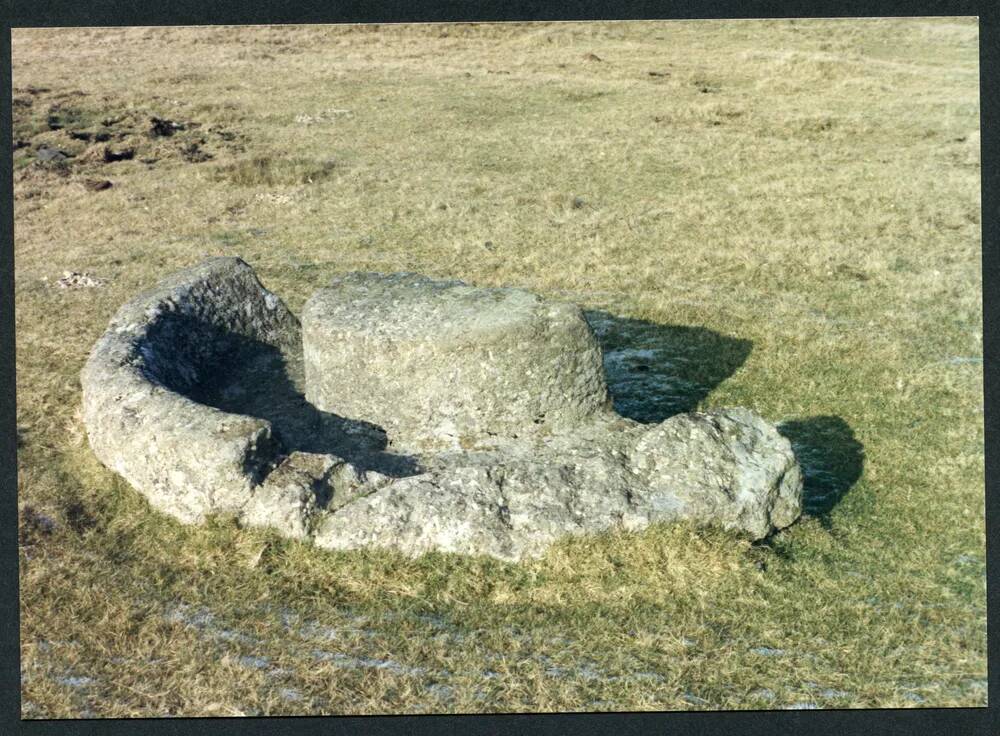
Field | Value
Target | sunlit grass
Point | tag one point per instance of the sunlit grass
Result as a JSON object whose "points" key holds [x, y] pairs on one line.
{"points": [[784, 215]]}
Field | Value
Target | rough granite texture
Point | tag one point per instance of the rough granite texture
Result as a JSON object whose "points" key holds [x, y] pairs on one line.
{"points": [[728, 469], [439, 364], [420, 415], [167, 347]]}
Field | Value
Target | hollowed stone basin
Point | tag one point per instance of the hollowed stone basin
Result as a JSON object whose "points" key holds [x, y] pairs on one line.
{"points": [[418, 415]]}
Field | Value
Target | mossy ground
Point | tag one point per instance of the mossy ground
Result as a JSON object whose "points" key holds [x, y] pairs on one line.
{"points": [[787, 210]]}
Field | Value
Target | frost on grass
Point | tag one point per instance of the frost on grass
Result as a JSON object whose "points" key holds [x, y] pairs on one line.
{"points": [[256, 663], [349, 661], [768, 652], [75, 681], [75, 280]]}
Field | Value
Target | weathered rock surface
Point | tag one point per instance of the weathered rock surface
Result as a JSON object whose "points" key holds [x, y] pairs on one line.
{"points": [[442, 364], [724, 468], [189, 459], [439, 416], [160, 353]]}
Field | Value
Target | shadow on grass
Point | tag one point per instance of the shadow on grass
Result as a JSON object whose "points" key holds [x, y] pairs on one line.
{"points": [[655, 371], [831, 458]]}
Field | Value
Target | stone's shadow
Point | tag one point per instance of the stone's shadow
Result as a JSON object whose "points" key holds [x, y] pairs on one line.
{"points": [[258, 380], [831, 459], [655, 371]]}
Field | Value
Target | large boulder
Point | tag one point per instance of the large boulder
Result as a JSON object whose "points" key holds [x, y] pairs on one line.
{"points": [[142, 390], [443, 364], [424, 415], [726, 468]]}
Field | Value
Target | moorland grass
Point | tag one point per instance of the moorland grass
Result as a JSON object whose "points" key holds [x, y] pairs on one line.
{"points": [[792, 207]]}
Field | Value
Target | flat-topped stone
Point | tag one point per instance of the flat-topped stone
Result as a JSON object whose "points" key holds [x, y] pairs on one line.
{"points": [[444, 364]]}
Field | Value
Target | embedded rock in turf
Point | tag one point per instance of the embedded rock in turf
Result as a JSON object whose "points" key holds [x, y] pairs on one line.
{"points": [[726, 468], [439, 416]]}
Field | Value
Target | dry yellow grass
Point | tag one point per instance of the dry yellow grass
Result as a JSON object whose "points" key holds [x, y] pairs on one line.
{"points": [[801, 197]]}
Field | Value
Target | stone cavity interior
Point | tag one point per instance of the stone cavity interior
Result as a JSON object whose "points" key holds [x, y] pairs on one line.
{"points": [[406, 413]]}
